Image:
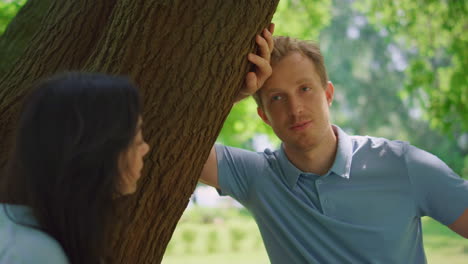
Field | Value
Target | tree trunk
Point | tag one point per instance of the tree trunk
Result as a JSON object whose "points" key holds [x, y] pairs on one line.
{"points": [[64, 40], [189, 60]]}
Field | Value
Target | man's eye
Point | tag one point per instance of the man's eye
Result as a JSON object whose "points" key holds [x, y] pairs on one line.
{"points": [[305, 89], [276, 98]]}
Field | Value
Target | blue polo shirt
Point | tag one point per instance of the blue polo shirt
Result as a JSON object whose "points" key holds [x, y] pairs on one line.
{"points": [[21, 242], [366, 209]]}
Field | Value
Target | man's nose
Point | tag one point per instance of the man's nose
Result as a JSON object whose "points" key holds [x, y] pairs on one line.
{"points": [[295, 106]]}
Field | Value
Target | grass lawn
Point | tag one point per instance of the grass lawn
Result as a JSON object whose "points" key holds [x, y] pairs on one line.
{"points": [[225, 258], [443, 245], [232, 236]]}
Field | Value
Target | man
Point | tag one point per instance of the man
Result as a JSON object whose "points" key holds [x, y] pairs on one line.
{"points": [[325, 196]]}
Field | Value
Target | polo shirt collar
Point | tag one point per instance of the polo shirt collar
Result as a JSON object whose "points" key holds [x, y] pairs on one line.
{"points": [[341, 166], [290, 172], [344, 153]]}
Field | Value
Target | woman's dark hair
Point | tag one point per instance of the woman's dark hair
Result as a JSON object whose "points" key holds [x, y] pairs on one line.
{"points": [[64, 165]]}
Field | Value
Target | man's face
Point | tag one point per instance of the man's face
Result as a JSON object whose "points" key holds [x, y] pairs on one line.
{"points": [[295, 103]]}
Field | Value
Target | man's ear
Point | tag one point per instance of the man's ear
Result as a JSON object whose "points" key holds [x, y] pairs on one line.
{"points": [[263, 116], [329, 92]]}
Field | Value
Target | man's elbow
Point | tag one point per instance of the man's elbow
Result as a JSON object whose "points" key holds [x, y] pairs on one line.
{"points": [[460, 226], [463, 233]]}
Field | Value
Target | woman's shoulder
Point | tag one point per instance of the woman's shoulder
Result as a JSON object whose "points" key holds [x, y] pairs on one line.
{"points": [[25, 243], [35, 246]]}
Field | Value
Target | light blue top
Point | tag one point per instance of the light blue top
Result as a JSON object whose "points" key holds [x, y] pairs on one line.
{"points": [[365, 209], [24, 243]]}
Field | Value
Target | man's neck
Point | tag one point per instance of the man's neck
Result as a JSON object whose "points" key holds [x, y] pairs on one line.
{"points": [[317, 159]]}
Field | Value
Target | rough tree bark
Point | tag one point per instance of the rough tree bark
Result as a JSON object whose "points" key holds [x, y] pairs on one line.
{"points": [[189, 60], [20, 32]]}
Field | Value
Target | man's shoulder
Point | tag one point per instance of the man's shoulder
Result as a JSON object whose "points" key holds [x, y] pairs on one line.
{"points": [[243, 156], [403, 151], [266, 153], [421, 160], [380, 145]]}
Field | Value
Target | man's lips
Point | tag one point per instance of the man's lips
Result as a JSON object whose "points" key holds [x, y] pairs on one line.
{"points": [[300, 126]]}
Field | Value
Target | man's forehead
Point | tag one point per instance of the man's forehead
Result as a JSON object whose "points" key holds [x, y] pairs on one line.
{"points": [[278, 82]]}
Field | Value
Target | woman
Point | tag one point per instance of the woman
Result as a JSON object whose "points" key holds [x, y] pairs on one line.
{"points": [[79, 145]]}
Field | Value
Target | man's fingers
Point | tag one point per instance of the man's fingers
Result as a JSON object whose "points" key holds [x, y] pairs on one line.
{"points": [[271, 28], [264, 69], [262, 64], [264, 50], [250, 84], [268, 35], [255, 80]]}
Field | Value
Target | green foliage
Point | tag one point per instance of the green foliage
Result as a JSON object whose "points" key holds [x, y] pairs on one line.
{"points": [[212, 241], [366, 64], [464, 173], [438, 74], [207, 215], [442, 245], [232, 230], [238, 234], [302, 18], [189, 236], [8, 9], [242, 125]]}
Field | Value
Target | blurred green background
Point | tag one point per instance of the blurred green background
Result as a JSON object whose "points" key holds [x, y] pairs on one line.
{"points": [[400, 70], [230, 236]]}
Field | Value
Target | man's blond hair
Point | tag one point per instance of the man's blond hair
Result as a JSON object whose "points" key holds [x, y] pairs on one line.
{"points": [[284, 46]]}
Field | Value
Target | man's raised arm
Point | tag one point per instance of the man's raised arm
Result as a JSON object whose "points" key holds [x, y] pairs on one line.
{"points": [[253, 82], [209, 173]]}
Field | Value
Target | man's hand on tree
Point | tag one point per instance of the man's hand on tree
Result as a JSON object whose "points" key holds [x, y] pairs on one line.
{"points": [[263, 70]]}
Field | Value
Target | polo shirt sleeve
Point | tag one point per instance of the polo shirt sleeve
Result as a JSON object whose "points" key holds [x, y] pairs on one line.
{"points": [[236, 167], [440, 193]]}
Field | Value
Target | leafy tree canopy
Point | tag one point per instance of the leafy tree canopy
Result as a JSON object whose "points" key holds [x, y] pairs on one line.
{"points": [[8, 9], [438, 74]]}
